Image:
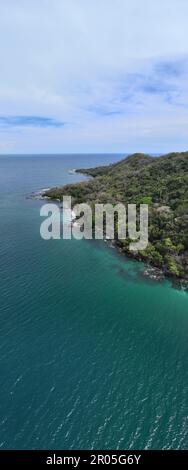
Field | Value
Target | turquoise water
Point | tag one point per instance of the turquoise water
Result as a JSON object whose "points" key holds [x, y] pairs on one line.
{"points": [[91, 355]]}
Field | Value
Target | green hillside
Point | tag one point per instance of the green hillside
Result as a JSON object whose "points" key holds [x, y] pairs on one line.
{"points": [[160, 182]]}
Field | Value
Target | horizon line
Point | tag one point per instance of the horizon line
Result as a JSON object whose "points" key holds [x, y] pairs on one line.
{"points": [[88, 153]]}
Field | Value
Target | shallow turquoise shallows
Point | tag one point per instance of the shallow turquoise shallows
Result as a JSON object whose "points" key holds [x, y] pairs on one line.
{"points": [[91, 355]]}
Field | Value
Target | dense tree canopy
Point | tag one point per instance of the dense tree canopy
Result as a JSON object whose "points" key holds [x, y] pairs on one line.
{"points": [[160, 182]]}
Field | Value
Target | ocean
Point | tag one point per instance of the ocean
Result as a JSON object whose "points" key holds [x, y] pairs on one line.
{"points": [[92, 356]]}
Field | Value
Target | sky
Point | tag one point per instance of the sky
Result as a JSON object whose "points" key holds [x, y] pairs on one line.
{"points": [[93, 76]]}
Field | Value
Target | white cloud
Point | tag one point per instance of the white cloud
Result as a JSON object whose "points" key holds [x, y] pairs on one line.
{"points": [[115, 71]]}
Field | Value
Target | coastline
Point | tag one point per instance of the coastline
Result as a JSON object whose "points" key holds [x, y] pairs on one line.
{"points": [[152, 270]]}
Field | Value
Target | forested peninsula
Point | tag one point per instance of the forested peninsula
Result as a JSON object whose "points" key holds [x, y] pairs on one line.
{"points": [[162, 183]]}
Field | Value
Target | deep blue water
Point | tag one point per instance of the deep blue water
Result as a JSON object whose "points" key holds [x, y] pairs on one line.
{"points": [[91, 355]]}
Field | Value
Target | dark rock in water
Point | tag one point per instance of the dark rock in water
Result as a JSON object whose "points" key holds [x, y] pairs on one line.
{"points": [[180, 284], [153, 273], [39, 194]]}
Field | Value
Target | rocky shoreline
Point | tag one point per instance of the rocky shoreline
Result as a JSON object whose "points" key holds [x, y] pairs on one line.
{"points": [[151, 272], [143, 179]]}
